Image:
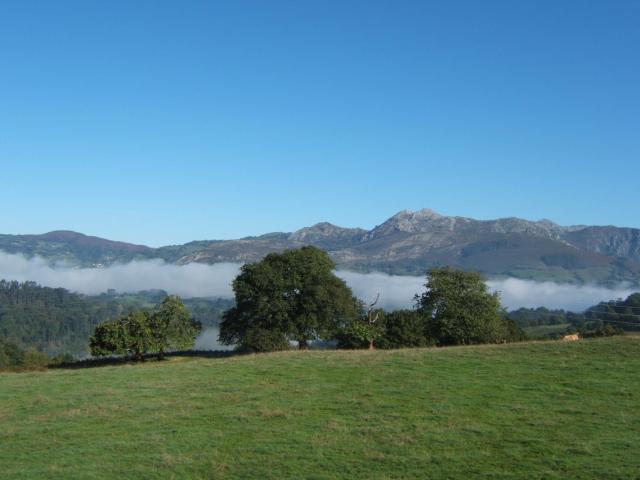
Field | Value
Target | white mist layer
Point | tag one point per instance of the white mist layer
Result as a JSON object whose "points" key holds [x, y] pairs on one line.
{"points": [[208, 340], [397, 291], [192, 280], [200, 280]]}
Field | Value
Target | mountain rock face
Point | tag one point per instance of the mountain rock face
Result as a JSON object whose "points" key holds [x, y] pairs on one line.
{"points": [[407, 243]]}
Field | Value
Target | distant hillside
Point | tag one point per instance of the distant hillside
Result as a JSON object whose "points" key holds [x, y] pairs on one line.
{"points": [[73, 248], [407, 243], [54, 320]]}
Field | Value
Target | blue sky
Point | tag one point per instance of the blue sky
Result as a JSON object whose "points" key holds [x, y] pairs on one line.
{"points": [[163, 122]]}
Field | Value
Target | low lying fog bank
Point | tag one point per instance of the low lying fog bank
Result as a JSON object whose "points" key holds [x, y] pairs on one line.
{"points": [[200, 280], [397, 291], [208, 340], [192, 280]]}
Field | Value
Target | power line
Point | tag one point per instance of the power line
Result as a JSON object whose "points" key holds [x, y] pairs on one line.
{"points": [[634, 324], [613, 306], [611, 313]]}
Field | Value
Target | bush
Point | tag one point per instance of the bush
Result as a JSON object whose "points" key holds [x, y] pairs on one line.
{"points": [[10, 355], [397, 329], [13, 357], [168, 328], [404, 329]]}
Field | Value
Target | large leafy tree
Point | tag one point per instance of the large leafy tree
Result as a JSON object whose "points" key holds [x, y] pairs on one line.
{"points": [[293, 295], [459, 309]]}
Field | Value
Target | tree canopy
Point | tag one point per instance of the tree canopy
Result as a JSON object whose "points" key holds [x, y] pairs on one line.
{"points": [[459, 309], [293, 295], [169, 327]]}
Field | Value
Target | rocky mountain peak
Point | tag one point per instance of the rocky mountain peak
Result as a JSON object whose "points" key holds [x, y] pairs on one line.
{"points": [[406, 221], [417, 216], [325, 231]]}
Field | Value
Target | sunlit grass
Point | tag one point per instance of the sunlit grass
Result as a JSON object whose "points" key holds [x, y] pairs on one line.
{"points": [[537, 410]]}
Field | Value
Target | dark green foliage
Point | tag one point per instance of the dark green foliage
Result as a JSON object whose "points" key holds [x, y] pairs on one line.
{"points": [[10, 355], [294, 293], [605, 330], [359, 332], [396, 329], [54, 320], [257, 340], [48, 319], [459, 309], [404, 329], [513, 332], [170, 327], [14, 358], [129, 335], [531, 317]]}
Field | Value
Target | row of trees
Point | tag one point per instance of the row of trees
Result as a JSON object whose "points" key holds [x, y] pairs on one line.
{"points": [[295, 296], [169, 327]]}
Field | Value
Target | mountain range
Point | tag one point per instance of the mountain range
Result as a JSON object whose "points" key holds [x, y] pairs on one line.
{"points": [[407, 243]]}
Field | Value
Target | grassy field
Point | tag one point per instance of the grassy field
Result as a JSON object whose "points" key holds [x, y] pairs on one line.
{"points": [[536, 410], [541, 331]]}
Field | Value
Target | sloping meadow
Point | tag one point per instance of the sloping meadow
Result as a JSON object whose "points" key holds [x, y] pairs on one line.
{"points": [[535, 410]]}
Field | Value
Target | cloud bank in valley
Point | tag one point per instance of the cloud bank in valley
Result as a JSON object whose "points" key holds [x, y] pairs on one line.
{"points": [[200, 280], [397, 291], [192, 280]]}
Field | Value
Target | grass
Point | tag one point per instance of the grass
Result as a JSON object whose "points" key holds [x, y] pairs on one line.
{"points": [[541, 331], [535, 410]]}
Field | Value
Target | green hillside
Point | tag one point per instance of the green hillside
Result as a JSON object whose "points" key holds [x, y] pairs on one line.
{"points": [[55, 320], [536, 410]]}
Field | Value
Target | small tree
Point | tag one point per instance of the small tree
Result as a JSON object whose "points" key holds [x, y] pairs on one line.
{"points": [[129, 335], [459, 309], [172, 326], [364, 330]]}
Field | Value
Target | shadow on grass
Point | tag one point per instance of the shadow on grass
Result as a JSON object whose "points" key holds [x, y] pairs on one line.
{"points": [[109, 361]]}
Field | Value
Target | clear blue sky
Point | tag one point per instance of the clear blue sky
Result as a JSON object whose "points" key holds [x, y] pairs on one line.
{"points": [[162, 122]]}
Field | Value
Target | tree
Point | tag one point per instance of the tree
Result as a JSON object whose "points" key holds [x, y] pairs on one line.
{"points": [[172, 326], [129, 335], [363, 331], [459, 310], [293, 295]]}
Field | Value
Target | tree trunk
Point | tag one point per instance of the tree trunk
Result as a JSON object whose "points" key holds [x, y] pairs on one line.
{"points": [[302, 344], [371, 347]]}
